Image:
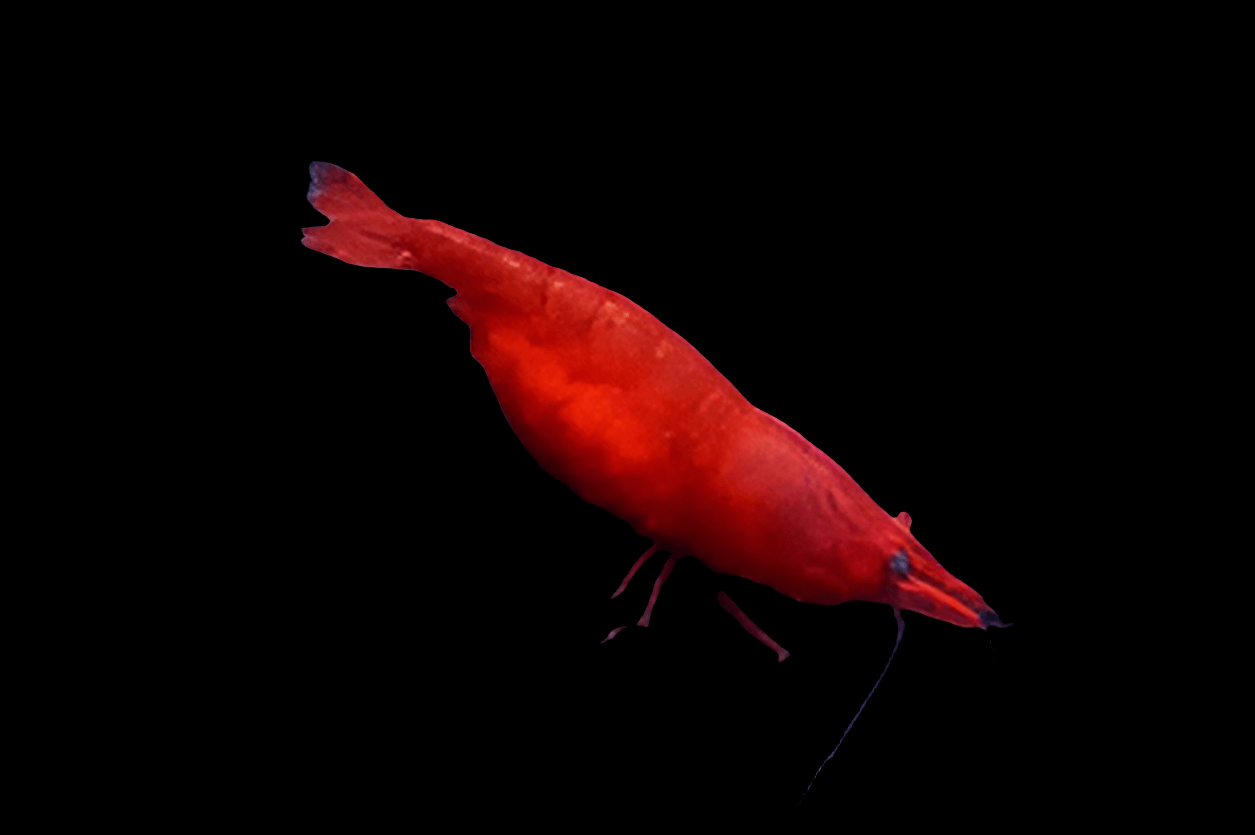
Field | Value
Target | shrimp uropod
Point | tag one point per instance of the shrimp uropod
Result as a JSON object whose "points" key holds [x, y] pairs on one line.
{"points": [[636, 421]]}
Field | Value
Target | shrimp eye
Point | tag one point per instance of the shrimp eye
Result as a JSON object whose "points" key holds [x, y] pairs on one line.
{"points": [[900, 563]]}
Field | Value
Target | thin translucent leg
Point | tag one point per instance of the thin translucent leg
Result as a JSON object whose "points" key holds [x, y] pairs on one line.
{"points": [[632, 573], [662, 578], [751, 627], [613, 632]]}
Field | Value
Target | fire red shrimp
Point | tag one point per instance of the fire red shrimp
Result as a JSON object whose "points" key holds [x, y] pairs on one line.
{"points": [[632, 418]]}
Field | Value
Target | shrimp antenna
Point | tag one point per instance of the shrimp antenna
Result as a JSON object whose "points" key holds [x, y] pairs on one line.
{"points": [[897, 613]]}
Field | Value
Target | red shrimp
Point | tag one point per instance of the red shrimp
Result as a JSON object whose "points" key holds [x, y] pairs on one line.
{"points": [[634, 420]]}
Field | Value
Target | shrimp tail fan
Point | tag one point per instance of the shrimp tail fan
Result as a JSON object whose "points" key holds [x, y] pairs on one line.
{"points": [[363, 230]]}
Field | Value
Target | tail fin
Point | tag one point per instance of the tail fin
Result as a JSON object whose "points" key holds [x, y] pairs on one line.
{"points": [[363, 230]]}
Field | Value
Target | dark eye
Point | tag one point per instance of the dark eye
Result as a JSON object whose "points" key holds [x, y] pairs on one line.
{"points": [[900, 563]]}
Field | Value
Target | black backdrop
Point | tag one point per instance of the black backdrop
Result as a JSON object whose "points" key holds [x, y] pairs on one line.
{"points": [[417, 606]]}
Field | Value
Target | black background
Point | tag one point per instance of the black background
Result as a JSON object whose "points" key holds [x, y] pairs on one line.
{"points": [[414, 621]]}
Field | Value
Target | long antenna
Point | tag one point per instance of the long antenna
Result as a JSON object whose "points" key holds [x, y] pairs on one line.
{"points": [[897, 613]]}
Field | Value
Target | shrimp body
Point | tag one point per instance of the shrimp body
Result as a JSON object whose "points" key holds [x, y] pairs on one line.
{"points": [[631, 417]]}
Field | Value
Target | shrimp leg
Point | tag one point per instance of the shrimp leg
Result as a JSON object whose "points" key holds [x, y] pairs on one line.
{"points": [[632, 571], [751, 627], [653, 597], [662, 578]]}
